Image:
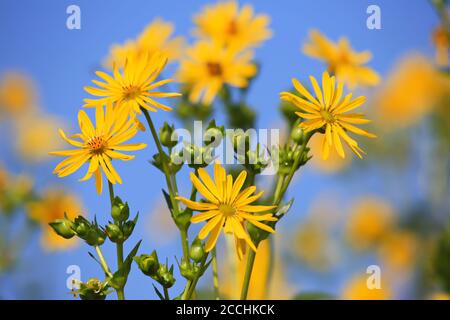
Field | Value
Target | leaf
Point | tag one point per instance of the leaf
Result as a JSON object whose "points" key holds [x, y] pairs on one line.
{"points": [[158, 292], [129, 259], [120, 277], [282, 210], [168, 201], [93, 257]]}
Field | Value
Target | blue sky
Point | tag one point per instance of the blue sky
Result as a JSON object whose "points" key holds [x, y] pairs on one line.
{"points": [[61, 61]]}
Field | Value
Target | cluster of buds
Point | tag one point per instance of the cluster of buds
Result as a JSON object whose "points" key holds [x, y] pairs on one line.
{"points": [[150, 266], [196, 268], [287, 156], [121, 229], [81, 227]]}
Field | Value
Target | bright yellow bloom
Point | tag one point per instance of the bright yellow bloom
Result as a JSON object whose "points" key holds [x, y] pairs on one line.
{"points": [[35, 137], [370, 220], [327, 110], [134, 87], [224, 23], [53, 205], [17, 94], [156, 37], [99, 145], [411, 91], [357, 289], [398, 251], [347, 64], [227, 207], [209, 66]]}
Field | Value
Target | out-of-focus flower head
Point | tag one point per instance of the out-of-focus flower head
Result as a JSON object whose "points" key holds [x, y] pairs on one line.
{"points": [[348, 65], [17, 94], [54, 204], [370, 220], [410, 92], [441, 40], [35, 137], [229, 25], [156, 37], [357, 289], [440, 296], [398, 251], [208, 66]]}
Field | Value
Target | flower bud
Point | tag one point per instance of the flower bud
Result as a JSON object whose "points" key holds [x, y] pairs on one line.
{"points": [[197, 252], [63, 228], [128, 228], [120, 211], [114, 233], [148, 264], [93, 289], [165, 276], [95, 237], [188, 270], [297, 135], [166, 136], [81, 226]]}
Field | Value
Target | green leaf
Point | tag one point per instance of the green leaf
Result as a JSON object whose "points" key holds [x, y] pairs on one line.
{"points": [[158, 292], [283, 209]]}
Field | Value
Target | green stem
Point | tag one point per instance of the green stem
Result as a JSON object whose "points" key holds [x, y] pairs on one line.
{"points": [[170, 182], [186, 290], [248, 274], [166, 293], [215, 273], [119, 247], [103, 262]]}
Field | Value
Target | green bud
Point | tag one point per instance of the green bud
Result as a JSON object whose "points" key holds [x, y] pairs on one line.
{"points": [[63, 228], [128, 228], [95, 237], [297, 135], [197, 251], [148, 264], [166, 135], [188, 270], [81, 226], [183, 220], [120, 211], [114, 233], [94, 289], [165, 276]]}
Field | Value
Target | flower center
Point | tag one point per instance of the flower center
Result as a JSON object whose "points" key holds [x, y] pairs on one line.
{"points": [[227, 210], [131, 92], [214, 69], [232, 28], [327, 116], [96, 144]]}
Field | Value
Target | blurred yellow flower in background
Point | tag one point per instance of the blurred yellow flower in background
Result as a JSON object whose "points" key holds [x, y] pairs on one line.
{"points": [[410, 92], [53, 205], [357, 289], [328, 110], [370, 220], [209, 66], [227, 207], [99, 145], [442, 43], [227, 24], [35, 137], [133, 88], [333, 164], [440, 296], [347, 64], [17, 94], [398, 251], [157, 37]]}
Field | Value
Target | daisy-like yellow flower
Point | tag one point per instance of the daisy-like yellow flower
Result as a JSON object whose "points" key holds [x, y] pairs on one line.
{"points": [[347, 64], [225, 23], [227, 207], [17, 94], [99, 145], [134, 87], [156, 37], [209, 66], [53, 205], [328, 110]]}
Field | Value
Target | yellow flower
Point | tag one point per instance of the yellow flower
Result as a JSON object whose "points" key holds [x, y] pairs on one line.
{"points": [[398, 251], [156, 37], [342, 60], [370, 220], [440, 296], [17, 94], [410, 92], [53, 205], [99, 145], [35, 137], [227, 207], [134, 87], [224, 23], [328, 110], [209, 66], [357, 289]]}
